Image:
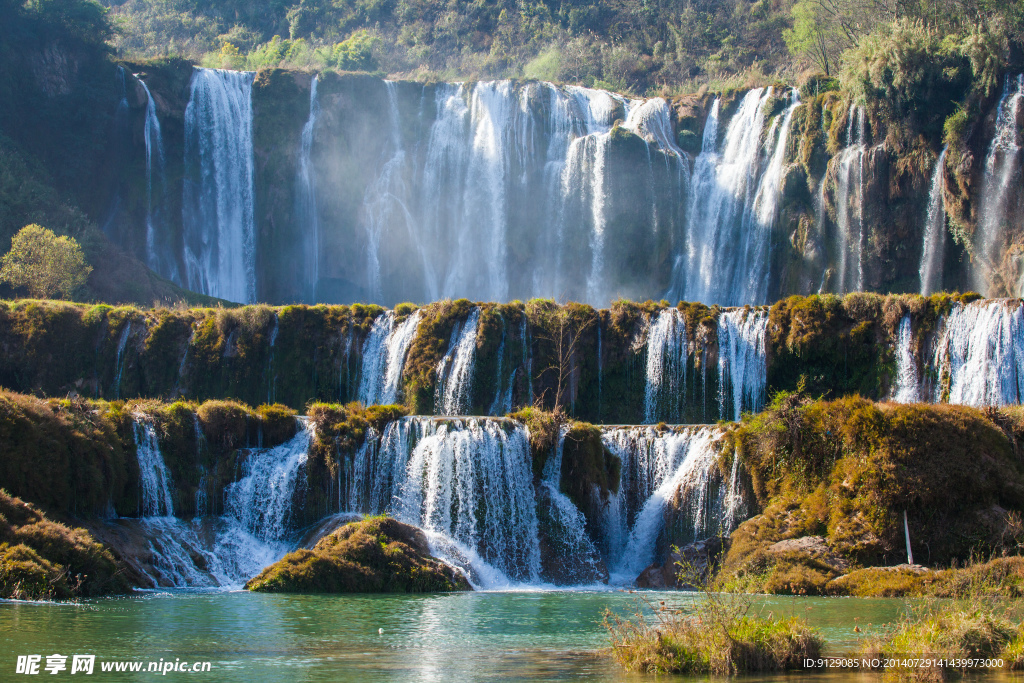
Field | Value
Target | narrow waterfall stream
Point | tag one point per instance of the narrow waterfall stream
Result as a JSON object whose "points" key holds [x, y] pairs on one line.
{"points": [[933, 249], [1001, 172]]}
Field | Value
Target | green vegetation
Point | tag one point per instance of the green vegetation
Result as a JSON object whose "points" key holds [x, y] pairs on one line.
{"points": [[959, 630], [375, 555], [43, 559], [833, 479], [631, 48], [719, 635], [44, 264]]}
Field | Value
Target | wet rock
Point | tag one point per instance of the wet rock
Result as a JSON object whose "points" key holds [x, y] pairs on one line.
{"points": [[695, 562]]}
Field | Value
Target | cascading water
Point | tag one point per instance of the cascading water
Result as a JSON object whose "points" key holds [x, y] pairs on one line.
{"points": [[850, 202], [1001, 175], [218, 222], [658, 466], [467, 483], [222, 551], [455, 371], [933, 249], [742, 361], [664, 395], [154, 478], [305, 194], [384, 353], [566, 526], [908, 383], [979, 354], [733, 207]]}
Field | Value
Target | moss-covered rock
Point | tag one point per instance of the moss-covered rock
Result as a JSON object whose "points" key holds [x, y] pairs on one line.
{"points": [[375, 555], [847, 470]]}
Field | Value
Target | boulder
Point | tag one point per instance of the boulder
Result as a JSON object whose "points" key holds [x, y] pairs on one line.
{"points": [[373, 555], [813, 547]]}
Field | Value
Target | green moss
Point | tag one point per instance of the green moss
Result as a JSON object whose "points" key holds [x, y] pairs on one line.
{"points": [[376, 555], [847, 469]]}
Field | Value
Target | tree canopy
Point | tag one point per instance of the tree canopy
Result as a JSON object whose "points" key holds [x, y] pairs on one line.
{"points": [[46, 265]]}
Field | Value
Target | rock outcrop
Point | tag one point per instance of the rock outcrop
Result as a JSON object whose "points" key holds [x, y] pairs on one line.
{"points": [[375, 555]]}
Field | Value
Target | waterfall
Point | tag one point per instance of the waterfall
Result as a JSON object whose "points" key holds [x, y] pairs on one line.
{"points": [[850, 201], [158, 257], [261, 501], [664, 395], [218, 223], [121, 359], [305, 194], [255, 531], [733, 207], [742, 363], [658, 466], [386, 197], [384, 353], [503, 391], [980, 353], [1001, 176], [908, 385], [566, 524], [154, 478], [452, 394], [933, 249], [466, 482]]}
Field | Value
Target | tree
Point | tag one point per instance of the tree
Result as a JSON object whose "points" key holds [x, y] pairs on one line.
{"points": [[46, 265], [817, 35]]}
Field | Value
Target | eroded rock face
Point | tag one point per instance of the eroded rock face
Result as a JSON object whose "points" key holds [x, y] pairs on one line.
{"points": [[375, 555]]}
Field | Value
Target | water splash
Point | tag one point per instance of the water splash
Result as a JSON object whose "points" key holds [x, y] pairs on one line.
{"points": [[850, 202], [218, 223], [733, 206], [121, 359], [158, 256], [979, 354], [468, 483]]}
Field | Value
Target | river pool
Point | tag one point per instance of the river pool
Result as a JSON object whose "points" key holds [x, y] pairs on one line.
{"points": [[513, 636]]}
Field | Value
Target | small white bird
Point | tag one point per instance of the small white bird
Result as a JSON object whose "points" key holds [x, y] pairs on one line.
{"points": [[380, 631]]}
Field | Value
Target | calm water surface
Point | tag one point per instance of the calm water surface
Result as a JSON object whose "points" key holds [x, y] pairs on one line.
{"points": [[528, 636]]}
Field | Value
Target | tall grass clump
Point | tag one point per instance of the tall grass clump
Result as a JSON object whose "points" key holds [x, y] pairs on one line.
{"points": [[721, 635]]}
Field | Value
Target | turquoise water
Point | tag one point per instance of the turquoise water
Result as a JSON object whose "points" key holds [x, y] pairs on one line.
{"points": [[527, 636]]}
